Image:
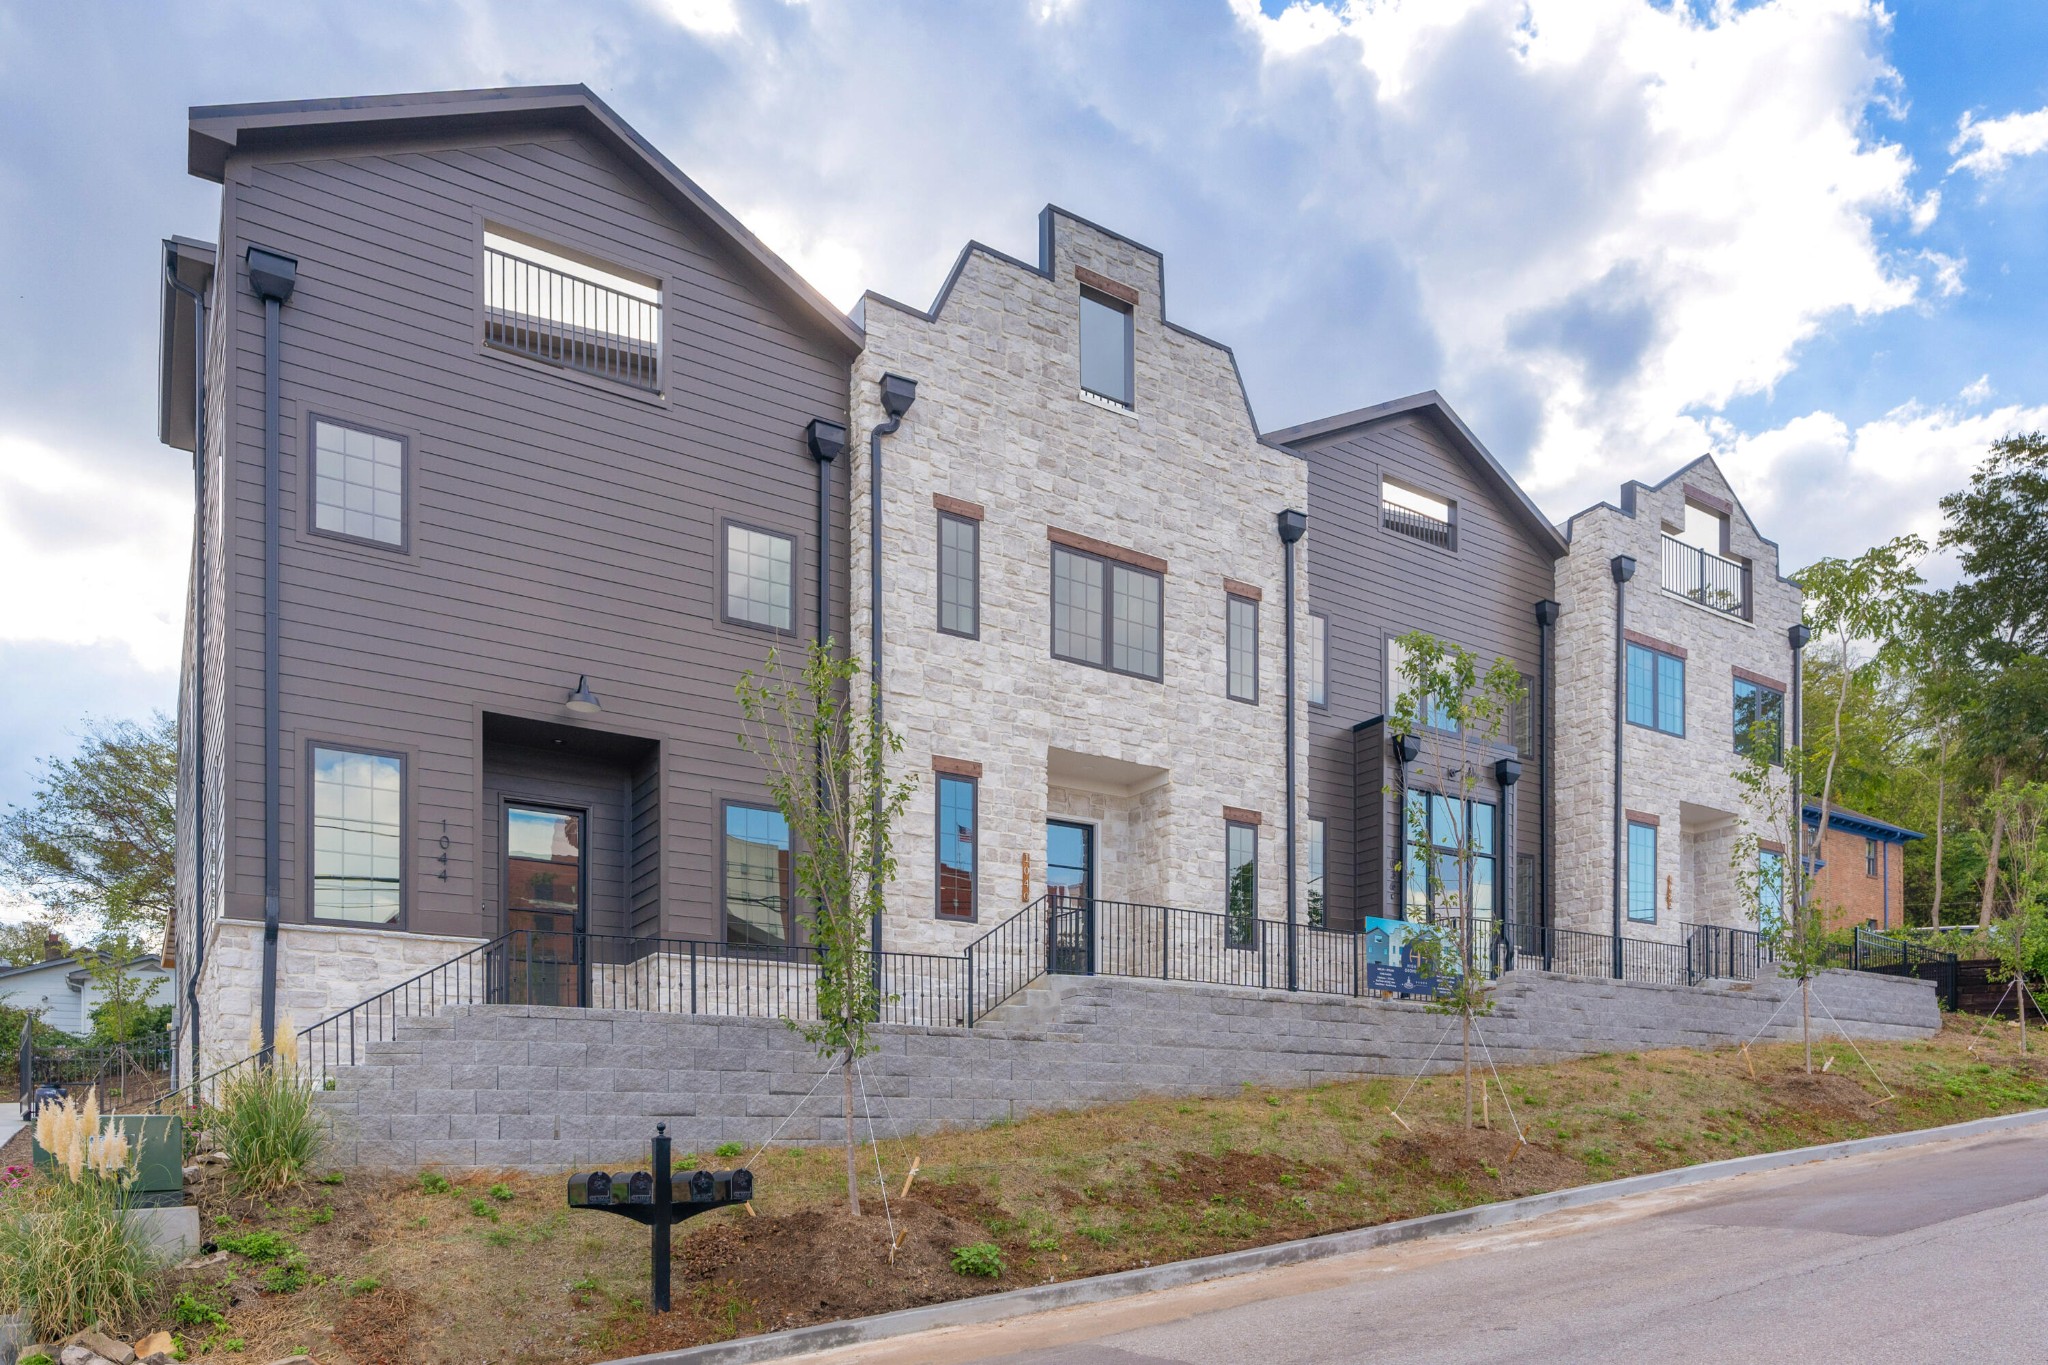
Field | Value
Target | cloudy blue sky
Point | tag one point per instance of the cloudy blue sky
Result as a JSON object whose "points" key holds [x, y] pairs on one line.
{"points": [[1807, 235]]}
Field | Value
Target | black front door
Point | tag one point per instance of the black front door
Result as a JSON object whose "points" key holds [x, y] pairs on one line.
{"points": [[545, 903], [1069, 893]]}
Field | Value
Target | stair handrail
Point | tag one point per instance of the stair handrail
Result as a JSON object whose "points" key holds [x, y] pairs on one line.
{"points": [[977, 1008]]}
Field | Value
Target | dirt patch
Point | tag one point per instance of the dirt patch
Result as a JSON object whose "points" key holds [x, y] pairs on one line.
{"points": [[1822, 1095], [1487, 1159], [382, 1327]]}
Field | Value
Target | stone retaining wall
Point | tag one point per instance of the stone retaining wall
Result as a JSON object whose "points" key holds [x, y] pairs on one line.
{"points": [[511, 1086]]}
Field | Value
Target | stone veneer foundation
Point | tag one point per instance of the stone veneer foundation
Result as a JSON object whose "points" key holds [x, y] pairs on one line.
{"points": [[1002, 429]]}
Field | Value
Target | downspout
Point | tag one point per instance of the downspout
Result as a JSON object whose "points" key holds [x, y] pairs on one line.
{"points": [[198, 945], [897, 394], [1546, 629], [826, 441], [1623, 567], [272, 277], [1507, 772], [1292, 525]]}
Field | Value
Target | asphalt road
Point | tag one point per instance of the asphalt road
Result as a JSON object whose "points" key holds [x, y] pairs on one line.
{"points": [[1934, 1253]]}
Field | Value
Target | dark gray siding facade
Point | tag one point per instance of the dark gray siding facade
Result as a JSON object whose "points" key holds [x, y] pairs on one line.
{"points": [[559, 525], [1374, 584]]}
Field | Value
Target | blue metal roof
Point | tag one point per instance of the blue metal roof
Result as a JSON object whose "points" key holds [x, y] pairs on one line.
{"points": [[1855, 822]]}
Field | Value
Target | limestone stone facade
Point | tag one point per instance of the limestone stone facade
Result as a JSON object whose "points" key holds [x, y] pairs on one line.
{"points": [[1002, 429], [1681, 785]]}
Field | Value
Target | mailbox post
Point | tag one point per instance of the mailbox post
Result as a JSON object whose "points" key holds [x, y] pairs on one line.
{"points": [[649, 1197]]}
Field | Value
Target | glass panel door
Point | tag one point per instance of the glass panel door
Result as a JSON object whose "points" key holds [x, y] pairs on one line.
{"points": [[1069, 887], [544, 904]]}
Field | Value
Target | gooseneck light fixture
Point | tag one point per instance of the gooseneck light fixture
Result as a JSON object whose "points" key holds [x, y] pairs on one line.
{"points": [[583, 701]]}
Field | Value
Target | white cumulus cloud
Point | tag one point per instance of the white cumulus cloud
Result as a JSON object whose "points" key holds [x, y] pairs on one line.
{"points": [[1984, 148]]}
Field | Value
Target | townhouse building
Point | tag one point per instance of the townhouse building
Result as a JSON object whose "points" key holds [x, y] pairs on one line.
{"points": [[507, 459], [1859, 872], [1085, 560], [1678, 647]]}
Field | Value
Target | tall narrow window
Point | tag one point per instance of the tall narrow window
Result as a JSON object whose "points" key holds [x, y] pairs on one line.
{"points": [[1427, 710], [1770, 888], [1106, 347], [1642, 873], [358, 484], [1656, 689], [760, 578], [1106, 613], [1318, 913], [1242, 664], [358, 836], [1318, 660], [757, 878], [1525, 890], [1870, 857], [1759, 721], [956, 846], [1240, 884], [1525, 716], [959, 575]]}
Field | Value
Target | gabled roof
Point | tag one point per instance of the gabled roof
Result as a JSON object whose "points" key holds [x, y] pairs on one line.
{"points": [[1856, 822], [218, 130], [1633, 487], [1432, 404]]}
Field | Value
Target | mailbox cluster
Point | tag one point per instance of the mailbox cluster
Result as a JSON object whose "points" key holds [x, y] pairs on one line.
{"points": [[650, 1197]]}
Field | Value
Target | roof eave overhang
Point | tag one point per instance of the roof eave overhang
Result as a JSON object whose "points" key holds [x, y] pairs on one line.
{"points": [[218, 132]]}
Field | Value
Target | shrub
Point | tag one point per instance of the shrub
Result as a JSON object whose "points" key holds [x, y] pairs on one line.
{"points": [[189, 1310], [68, 1258], [480, 1208], [433, 1182], [256, 1246], [729, 1150], [37, 1359], [285, 1277], [983, 1260], [502, 1193], [263, 1121]]}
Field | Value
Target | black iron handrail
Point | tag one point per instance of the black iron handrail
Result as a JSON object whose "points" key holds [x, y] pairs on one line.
{"points": [[1421, 525], [563, 319], [1706, 578], [1009, 957]]}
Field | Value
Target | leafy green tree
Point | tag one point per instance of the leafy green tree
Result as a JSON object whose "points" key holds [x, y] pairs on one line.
{"points": [[97, 836], [827, 771], [22, 941], [1459, 713], [2022, 949], [1777, 886]]}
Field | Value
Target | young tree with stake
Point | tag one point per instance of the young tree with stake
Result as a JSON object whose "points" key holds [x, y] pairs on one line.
{"points": [[817, 735], [1458, 713]]}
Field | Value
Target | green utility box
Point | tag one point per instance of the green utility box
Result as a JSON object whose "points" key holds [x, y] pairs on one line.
{"points": [[156, 1143]]}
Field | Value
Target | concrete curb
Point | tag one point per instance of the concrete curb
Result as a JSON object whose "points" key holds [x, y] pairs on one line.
{"points": [[1128, 1283]]}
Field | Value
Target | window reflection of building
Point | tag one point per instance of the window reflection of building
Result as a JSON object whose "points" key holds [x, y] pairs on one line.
{"points": [[757, 878]]}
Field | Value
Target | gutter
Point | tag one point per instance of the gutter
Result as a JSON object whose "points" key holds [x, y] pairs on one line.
{"points": [[198, 647], [272, 277], [897, 395], [1547, 612], [1292, 525], [1623, 568]]}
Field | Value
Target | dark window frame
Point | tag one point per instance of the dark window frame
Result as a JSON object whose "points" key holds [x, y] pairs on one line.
{"points": [[789, 920], [1110, 568], [1230, 939], [1315, 883], [1656, 859], [1130, 315], [726, 526], [309, 482], [1656, 690], [309, 862], [1231, 601], [506, 803], [1450, 519], [1319, 678], [1870, 857], [973, 578], [601, 257], [1778, 732], [939, 781]]}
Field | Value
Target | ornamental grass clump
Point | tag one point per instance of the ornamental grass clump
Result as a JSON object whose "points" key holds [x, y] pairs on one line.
{"points": [[262, 1119], [68, 1257]]}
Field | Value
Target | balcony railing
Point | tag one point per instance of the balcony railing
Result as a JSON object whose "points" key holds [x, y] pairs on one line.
{"points": [[561, 319], [1708, 579], [1422, 526]]}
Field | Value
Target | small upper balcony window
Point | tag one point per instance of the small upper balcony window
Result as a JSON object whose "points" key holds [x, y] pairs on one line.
{"points": [[1412, 512], [1697, 565], [549, 305], [1106, 348]]}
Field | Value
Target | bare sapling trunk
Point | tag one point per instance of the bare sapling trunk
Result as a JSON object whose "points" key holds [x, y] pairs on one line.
{"points": [[1806, 1018], [1991, 873], [852, 1164], [1940, 810], [1468, 1067]]}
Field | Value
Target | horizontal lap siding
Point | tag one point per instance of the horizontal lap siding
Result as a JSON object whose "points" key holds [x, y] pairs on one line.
{"points": [[1372, 583], [558, 528]]}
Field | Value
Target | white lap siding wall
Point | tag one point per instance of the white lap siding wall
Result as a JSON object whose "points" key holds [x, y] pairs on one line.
{"points": [[1663, 774], [1000, 421]]}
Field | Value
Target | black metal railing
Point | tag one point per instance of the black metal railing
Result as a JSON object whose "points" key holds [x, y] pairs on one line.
{"points": [[562, 319], [1871, 951], [1421, 525], [1706, 578], [1007, 958], [1718, 953], [123, 1073]]}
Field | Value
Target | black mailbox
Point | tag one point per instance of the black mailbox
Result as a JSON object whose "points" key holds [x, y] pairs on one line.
{"points": [[703, 1189], [590, 1191], [640, 1188], [650, 1197], [742, 1186]]}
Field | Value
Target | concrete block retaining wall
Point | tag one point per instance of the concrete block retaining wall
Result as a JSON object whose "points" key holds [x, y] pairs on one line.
{"points": [[514, 1086]]}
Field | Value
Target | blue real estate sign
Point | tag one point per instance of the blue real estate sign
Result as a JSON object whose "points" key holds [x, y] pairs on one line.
{"points": [[1389, 963]]}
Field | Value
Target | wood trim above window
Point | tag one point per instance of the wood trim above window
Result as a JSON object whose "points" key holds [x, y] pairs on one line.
{"points": [[956, 767], [1238, 815], [1700, 497], [1636, 817], [1757, 678], [1103, 284], [1636, 637], [959, 507], [1244, 590], [1137, 559], [1770, 846]]}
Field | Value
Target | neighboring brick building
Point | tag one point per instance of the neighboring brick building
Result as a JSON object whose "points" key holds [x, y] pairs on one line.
{"points": [[1860, 876], [1708, 661]]}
